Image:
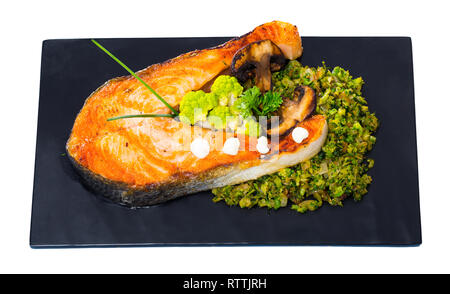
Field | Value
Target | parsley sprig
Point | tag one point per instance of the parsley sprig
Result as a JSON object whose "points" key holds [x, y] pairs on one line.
{"points": [[253, 103]]}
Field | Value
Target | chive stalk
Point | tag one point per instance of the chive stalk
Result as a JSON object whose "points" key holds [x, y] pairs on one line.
{"points": [[139, 79], [140, 115]]}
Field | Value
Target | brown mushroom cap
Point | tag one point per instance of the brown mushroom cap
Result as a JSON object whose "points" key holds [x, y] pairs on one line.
{"points": [[297, 109], [257, 61]]}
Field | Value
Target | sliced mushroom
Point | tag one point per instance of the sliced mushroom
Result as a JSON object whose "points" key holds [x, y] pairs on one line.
{"points": [[297, 109], [257, 61]]}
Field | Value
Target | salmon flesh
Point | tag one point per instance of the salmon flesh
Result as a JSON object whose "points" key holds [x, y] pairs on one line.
{"points": [[144, 161]]}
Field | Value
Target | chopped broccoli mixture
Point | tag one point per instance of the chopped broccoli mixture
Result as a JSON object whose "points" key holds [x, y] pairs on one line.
{"points": [[339, 170]]}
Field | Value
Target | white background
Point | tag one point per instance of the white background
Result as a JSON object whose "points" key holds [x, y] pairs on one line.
{"points": [[24, 25]]}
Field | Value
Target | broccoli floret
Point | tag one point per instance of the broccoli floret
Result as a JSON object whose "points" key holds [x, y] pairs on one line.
{"points": [[195, 105], [226, 88], [218, 116], [216, 106]]}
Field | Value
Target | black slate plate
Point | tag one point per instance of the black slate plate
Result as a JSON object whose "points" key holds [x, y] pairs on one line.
{"points": [[65, 213]]}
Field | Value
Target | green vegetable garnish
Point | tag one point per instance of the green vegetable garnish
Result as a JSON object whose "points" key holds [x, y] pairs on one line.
{"points": [[218, 116], [195, 106], [140, 80], [337, 172], [270, 102], [226, 88], [252, 103], [226, 103], [140, 115], [245, 104]]}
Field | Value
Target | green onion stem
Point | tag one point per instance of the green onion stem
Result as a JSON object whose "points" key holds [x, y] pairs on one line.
{"points": [[135, 75], [140, 115]]}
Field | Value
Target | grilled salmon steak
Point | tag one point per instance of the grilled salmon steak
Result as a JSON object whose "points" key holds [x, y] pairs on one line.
{"points": [[144, 161]]}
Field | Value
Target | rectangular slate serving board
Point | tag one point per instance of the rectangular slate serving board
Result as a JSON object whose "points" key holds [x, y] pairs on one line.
{"points": [[66, 214]]}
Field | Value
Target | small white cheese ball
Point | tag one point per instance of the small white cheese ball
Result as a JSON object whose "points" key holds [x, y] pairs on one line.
{"points": [[299, 134], [262, 146], [231, 146], [200, 147]]}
